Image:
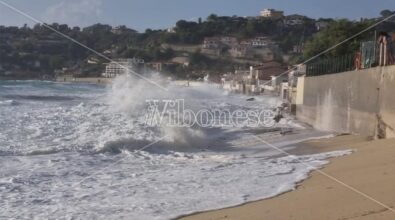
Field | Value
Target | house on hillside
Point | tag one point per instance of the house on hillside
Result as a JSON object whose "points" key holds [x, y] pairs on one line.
{"points": [[229, 41], [217, 45], [219, 42], [294, 20], [240, 51], [260, 41], [271, 13], [211, 43], [246, 43], [122, 29]]}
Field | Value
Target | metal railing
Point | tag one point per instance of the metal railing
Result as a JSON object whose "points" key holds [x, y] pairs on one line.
{"points": [[330, 65], [370, 55]]}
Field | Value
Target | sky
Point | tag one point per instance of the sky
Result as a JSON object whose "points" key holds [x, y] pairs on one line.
{"points": [[160, 14]]}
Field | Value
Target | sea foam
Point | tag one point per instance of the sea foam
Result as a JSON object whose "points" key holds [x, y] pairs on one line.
{"points": [[91, 155]]}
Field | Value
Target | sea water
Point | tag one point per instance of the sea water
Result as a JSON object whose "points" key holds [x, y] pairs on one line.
{"points": [[78, 151]]}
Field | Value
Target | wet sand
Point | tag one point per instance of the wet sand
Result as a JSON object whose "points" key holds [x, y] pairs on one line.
{"points": [[370, 170]]}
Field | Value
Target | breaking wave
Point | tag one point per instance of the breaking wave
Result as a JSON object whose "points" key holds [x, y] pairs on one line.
{"points": [[89, 148]]}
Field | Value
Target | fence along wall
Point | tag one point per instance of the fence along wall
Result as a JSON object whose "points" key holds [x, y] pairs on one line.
{"points": [[361, 102]]}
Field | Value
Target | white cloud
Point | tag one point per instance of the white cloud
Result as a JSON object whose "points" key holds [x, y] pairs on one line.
{"points": [[74, 12]]}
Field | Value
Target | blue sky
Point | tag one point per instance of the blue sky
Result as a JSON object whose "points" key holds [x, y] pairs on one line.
{"points": [[139, 14]]}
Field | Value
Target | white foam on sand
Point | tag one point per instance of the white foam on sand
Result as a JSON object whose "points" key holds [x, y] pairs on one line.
{"points": [[147, 186]]}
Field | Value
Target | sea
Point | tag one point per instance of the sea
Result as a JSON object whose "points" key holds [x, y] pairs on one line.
{"points": [[84, 151]]}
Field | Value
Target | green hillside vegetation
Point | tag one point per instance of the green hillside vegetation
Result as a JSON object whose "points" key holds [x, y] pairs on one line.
{"points": [[35, 51]]}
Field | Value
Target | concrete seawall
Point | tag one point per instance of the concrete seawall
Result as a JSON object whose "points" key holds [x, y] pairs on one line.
{"points": [[360, 102]]}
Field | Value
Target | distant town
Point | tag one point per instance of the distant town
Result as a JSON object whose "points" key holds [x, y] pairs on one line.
{"points": [[218, 47]]}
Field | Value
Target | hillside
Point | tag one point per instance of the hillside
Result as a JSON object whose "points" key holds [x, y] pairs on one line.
{"points": [[215, 45]]}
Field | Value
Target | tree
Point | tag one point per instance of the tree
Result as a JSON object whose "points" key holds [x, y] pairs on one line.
{"points": [[386, 13], [337, 32], [212, 18]]}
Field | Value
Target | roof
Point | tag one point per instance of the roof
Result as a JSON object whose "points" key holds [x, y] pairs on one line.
{"points": [[270, 69]]}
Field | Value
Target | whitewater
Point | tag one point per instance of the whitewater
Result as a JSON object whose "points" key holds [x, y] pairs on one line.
{"points": [[83, 151]]}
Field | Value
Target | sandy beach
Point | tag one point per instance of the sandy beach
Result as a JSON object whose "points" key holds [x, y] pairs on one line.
{"points": [[367, 186]]}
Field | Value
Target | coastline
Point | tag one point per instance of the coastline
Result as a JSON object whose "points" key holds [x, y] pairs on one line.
{"points": [[92, 80], [66, 79], [370, 170]]}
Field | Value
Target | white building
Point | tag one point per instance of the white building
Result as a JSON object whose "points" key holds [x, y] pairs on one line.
{"points": [[171, 30], [260, 41], [119, 66], [284, 91], [271, 13]]}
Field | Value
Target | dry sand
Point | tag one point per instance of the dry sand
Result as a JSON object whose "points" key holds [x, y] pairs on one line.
{"points": [[370, 170]]}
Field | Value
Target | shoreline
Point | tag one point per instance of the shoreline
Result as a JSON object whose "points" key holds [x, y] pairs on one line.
{"points": [[91, 80], [323, 197], [66, 79]]}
